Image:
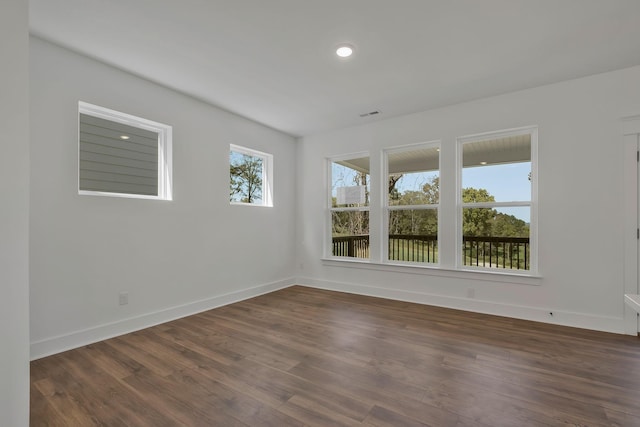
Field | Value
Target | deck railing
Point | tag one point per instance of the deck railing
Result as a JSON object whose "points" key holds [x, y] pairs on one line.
{"points": [[351, 246], [497, 252], [414, 248], [491, 252]]}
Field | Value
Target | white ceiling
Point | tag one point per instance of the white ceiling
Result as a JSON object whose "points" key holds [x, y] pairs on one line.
{"points": [[273, 61]]}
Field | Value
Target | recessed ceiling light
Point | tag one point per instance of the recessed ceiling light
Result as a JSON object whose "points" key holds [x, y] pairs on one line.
{"points": [[344, 51], [483, 163], [124, 137]]}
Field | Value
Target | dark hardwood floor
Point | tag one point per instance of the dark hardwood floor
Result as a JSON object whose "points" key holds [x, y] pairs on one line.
{"points": [[304, 356]]}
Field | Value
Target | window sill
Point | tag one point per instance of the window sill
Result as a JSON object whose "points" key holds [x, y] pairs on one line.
{"points": [[435, 270], [122, 195], [250, 204]]}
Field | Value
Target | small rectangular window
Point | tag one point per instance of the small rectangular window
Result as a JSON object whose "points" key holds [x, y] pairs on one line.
{"points": [[122, 155], [250, 174], [413, 197], [496, 200], [349, 207]]}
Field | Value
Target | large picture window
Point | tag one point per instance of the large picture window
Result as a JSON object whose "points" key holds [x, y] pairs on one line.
{"points": [[469, 204], [413, 196], [349, 207], [495, 200]]}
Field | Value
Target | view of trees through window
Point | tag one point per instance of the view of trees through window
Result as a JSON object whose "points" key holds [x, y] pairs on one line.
{"points": [[496, 202], [350, 182], [413, 197], [246, 178], [494, 206], [492, 222]]}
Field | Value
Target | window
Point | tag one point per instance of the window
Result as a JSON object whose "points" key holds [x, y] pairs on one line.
{"points": [[349, 206], [413, 196], [122, 155], [251, 178], [495, 200], [466, 205]]}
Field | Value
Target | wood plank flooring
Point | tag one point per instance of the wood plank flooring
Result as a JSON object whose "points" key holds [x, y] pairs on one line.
{"points": [[308, 357]]}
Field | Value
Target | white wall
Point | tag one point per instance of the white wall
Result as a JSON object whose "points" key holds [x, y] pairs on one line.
{"points": [[14, 214], [580, 202], [197, 252], [173, 258]]}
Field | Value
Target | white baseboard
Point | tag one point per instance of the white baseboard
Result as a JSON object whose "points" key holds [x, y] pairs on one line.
{"points": [[564, 318], [83, 337]]}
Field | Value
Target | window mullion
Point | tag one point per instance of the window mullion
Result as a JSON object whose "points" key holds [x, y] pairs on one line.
{"points": [[496, 204], [413, 207]]}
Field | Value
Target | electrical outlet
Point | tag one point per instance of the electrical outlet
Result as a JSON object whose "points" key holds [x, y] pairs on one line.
{"points": [[123, 298], [471, 293]]}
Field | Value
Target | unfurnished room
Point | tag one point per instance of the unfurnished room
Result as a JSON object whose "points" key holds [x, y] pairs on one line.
{"points": [[328, 213]]}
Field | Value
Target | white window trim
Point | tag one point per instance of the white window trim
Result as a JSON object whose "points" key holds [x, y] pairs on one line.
{"points": [[533, 203], [165, 150], [448, 267], [501, 276], [267, 175], [328, 240], [387, 208]]}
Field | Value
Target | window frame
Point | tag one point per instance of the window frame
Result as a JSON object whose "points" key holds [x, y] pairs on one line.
{"points": [[449, 215], [165, 150], [532, 203], [386, 208], [267, 175], [328, 241]]}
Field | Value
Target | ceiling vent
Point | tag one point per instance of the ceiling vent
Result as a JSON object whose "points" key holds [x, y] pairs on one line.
{"points": [[371, 113]]}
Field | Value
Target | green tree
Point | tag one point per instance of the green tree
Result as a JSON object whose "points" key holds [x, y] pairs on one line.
{"points": [[486, 221], [394, 194], [432, 190], [477, 221], [418, 221], [246, 178], [509, 226]]}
